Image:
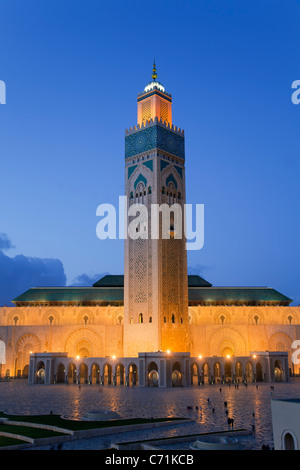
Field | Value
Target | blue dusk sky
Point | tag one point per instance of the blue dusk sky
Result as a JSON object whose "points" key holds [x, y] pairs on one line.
{"points": [[73, 70]]}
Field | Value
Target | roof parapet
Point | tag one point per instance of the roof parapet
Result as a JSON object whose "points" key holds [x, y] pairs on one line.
{"points": [[153, 122]]}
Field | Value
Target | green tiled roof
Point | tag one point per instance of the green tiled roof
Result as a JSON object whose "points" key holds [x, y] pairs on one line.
{"points": [[80, 295], [111, 280], [197, 281], [236, 296], [117, 280], [110, 290]]}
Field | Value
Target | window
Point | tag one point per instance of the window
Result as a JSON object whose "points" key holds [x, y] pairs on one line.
{"points": [[165, 319], [150, 320], [141, 320], [85, 319], [173, 318], [290, 319], [256, 318], [149, 190], [131, 195], [51, 320], [222, 319], [16, 319]]}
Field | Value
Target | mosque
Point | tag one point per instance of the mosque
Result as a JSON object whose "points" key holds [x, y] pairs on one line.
{"points": [[155, 325]]}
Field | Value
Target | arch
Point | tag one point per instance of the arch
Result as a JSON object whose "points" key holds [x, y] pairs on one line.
{"points": [[60, 373], [26, 344], [249, 371], [228, 371], [194, 374], [71, 375], [205, 373], [93, 343], [140, 179], [51, 317], [83, 348], [95, 373], [217, 372], [171, 179], [25, 372], [132, 374], [227, 337], [40, 372], [278, 371], [176, 375], [120, 374], [279, 340], [153, 375], [83, 373], [107, 374], [289, 441], [258, 372], [238, 371]]}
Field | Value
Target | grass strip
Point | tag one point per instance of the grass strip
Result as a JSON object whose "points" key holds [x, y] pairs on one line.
{"points": [[34, 433], [56, 420], [9, 441]]}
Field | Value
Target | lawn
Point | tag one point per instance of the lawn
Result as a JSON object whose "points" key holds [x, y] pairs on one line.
{"points": [[56, 420]]}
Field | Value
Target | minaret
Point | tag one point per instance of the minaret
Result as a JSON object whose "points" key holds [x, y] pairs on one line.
{"points": [[155, 271]]}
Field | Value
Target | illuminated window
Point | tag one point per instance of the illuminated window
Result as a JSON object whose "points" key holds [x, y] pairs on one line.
{"points": [[141, 320]]}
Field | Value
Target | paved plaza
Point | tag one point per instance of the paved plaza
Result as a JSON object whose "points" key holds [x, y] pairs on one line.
{"points": [[248, 406]]}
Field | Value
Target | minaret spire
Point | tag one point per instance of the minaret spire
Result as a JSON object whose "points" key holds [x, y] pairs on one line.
{"points": [[154, 74]]}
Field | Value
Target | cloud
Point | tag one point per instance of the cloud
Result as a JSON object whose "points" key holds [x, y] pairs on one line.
{"points": [[84, 279], [20, 273], [5, 243]]}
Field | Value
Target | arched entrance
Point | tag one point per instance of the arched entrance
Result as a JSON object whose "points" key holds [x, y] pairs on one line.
{"points": [[40, 372], [278, 371], [120, 374], [259, 374], [194, 374], [176, 375], [249, 372], [228, 371], [107, 374], [71, 373], [238, 372], [60, 374], [217, 373], [288, 442], [205, 373], [95, 374], [83, 373], [132, 375], [25, 372], [153, 375]]}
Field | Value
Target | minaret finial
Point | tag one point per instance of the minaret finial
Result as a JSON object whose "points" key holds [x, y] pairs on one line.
{"points": [[154, 74]]}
